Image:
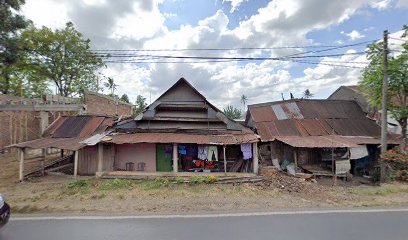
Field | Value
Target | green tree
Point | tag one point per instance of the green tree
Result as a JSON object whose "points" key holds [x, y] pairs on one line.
{"points": [[12, 47], [244, 100], [232, 112], [63, 57], [140, 104], [307, 94], [125, 98], [371, 82], [111, 85]]}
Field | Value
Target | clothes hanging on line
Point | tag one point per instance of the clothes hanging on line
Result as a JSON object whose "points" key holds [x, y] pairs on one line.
{"points": [[182, 150], [212, 153], [246, 149], [202, 152]]}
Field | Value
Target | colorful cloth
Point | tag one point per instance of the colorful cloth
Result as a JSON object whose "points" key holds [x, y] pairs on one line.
{"points": [[212, 153], [182, 150], [246, 149], [202, 152]]}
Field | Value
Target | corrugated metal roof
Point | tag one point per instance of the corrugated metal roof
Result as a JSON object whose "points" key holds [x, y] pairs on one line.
{"points": [[68, 131], [316, 142], [78, 126], [305, 118], [182, 138], [49, 142]]}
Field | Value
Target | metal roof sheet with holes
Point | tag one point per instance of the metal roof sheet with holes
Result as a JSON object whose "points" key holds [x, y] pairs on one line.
{"points": [[305, 118], [67, 132]]}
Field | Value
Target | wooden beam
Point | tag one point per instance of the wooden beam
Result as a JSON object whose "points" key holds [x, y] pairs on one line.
{"points": [[100, 157], [255, 157], [225, 159], [21, 170], [76, 163], [44, 154], [175, 157]]}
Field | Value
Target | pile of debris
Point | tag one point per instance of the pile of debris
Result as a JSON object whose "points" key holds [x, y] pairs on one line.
{"points": [[283, 181]]}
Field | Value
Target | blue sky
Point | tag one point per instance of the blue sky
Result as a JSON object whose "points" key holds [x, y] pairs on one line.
{"points": [[178, 24]]}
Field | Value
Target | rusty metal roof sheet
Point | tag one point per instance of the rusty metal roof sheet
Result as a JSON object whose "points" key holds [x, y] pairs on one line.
{"points": [[77, 126], [316, 142], [304, 118], [182, 138], [49, 142]]}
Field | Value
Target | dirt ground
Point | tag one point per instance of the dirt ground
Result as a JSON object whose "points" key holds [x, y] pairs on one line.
{"points": [[57, 194]]}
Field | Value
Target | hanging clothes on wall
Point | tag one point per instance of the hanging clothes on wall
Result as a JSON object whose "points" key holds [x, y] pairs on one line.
{"points": [[246, 149], [212, 153], [202, 152], [182, 150]]}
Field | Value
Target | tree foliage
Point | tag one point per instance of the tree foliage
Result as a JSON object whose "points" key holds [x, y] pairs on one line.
{"points": [[371, 83], [307, 94], [63, 57], [125, 98], [12, 47], [140, 104], [232, 112]]}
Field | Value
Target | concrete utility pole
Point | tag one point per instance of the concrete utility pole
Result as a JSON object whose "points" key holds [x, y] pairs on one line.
{"points": [[384, 124]]}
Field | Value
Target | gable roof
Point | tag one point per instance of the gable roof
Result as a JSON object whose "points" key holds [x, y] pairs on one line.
{"points": [[181, 108], [302, 118]]}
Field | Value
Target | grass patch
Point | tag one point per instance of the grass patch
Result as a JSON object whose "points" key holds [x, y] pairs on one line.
{"points": [[116, 184], [381, 191]]}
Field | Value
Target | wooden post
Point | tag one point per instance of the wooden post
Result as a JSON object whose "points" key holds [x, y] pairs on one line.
{"points": [[295, 156], [175, 157], [76, 163], [21, 172], [100, 157], [225, 159], [62, 153], [271, 146], [44, 154], [255, 157]]}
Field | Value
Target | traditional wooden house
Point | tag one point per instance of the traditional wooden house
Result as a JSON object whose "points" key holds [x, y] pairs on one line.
{"points": [[179, 132], [317, 136]]}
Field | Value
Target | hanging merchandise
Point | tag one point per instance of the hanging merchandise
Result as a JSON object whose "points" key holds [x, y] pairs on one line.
{"points": [[202, 152], [182, 150], [246, 149], [212, 153]]}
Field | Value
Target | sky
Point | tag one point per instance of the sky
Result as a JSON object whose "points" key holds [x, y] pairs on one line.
{"points": [[242, 28]]}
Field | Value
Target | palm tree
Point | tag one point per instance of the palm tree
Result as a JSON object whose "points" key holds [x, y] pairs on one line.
{"points": [[307, 94], [111, 85], [244, 100]]}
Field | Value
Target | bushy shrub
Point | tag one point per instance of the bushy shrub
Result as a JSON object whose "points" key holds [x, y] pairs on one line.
{"points": [[210, 179], [398, 162]]}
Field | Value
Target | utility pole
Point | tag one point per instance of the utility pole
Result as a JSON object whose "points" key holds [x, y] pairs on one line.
{"points": [[384, 123]]}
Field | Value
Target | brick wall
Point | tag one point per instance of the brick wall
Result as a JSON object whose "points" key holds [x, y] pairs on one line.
{"points": [[98, 104]]}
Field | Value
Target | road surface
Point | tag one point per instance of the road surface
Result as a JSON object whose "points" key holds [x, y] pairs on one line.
{"points": [[313, 225]]}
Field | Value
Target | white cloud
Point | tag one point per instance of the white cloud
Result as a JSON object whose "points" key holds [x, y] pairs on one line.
{"points": [[129, 25], [56, 17], [353, 35], [381, 5], [234, 4]]}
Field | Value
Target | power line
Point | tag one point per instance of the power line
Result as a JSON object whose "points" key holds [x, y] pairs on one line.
{"points": [[331, 47]]}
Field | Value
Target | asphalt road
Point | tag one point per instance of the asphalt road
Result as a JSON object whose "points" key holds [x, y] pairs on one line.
{"points": [[310, 225]]}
